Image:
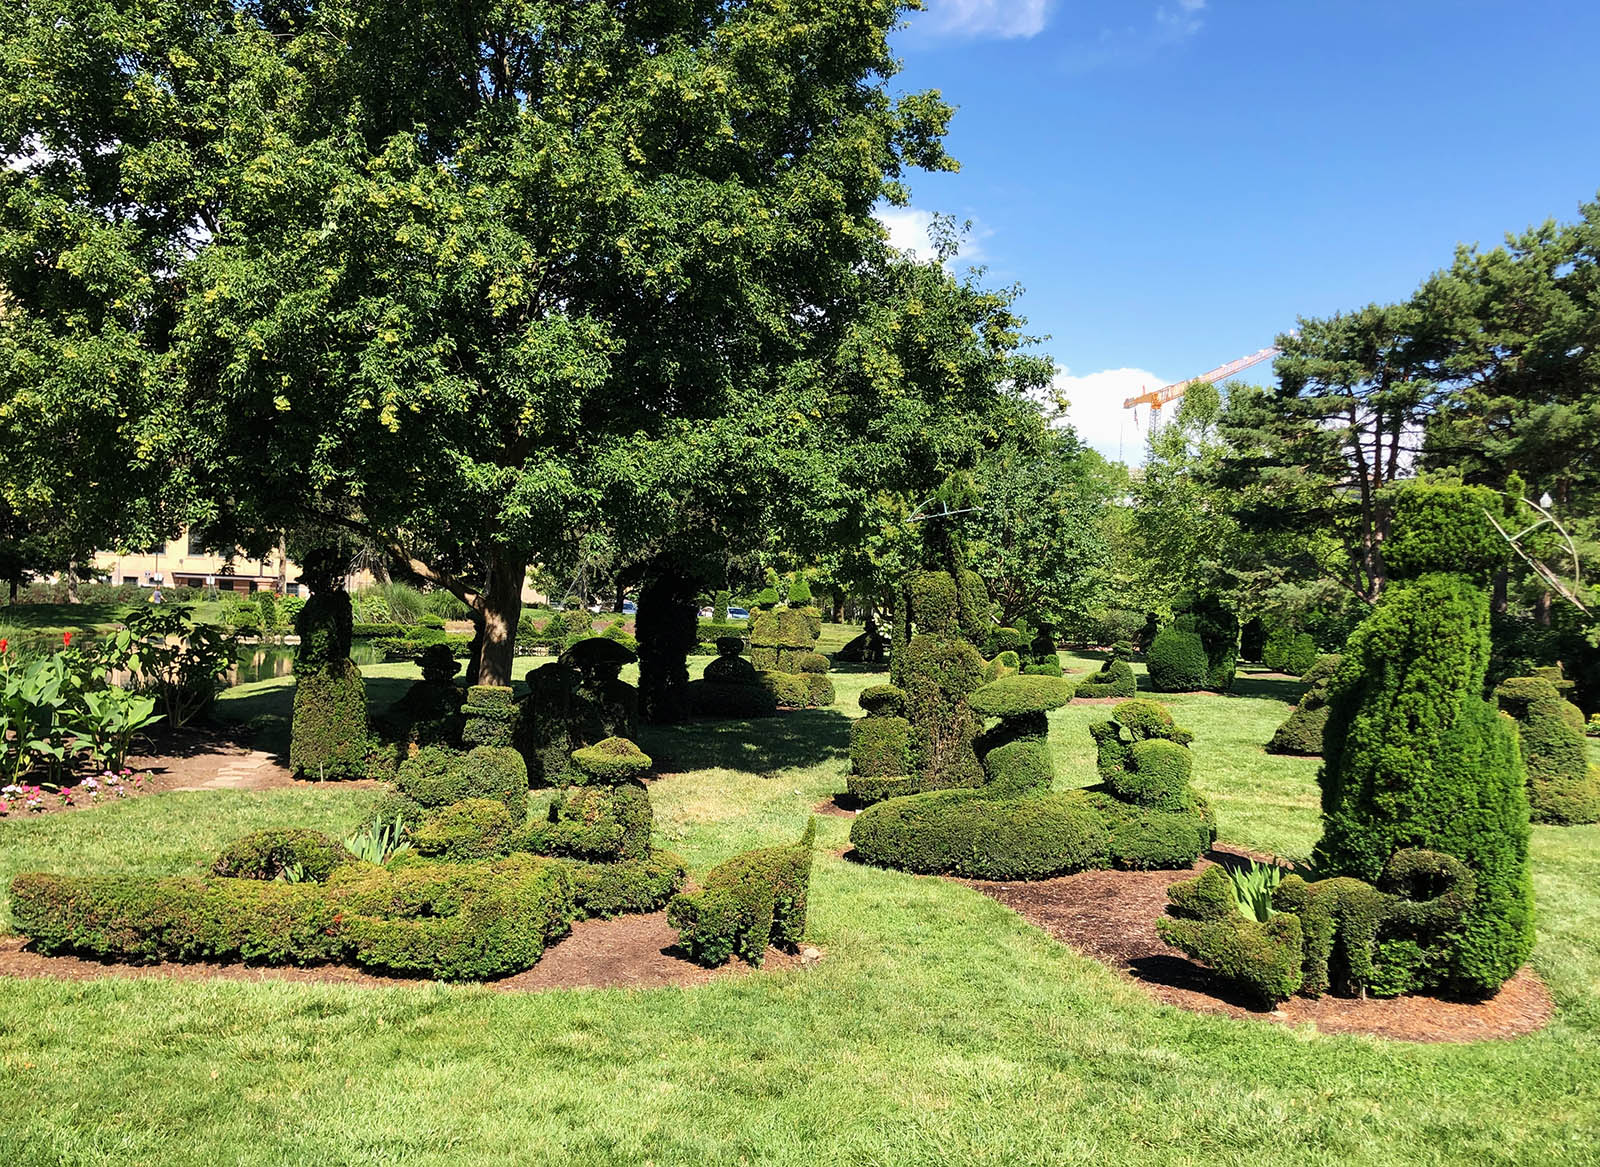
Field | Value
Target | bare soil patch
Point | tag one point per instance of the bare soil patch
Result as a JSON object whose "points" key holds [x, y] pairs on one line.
{"points": [[630, 952], [830, 806], [1111, 916]]}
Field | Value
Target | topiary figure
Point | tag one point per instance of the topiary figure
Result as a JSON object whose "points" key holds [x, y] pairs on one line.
{"points": [[430, 711], [1177, 662], [1114, 678], [329, 737], [1415, 757], [1563, 786], [605, 815], [1301, 732], [575, 701], [1264, 957], [752, 901], [941, 670], [489, 716], [272, 854], [1218, 630]]}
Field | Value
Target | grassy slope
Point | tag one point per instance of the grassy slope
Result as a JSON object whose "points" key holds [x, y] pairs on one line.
{"points": [[940, 1029]]}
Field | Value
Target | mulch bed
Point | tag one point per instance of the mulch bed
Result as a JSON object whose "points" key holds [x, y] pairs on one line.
{"points": [[630, 952], [1111, 915], [830, 806]]}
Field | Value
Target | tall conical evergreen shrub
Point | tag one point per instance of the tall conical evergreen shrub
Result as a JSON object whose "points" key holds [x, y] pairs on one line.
{"points": [[1415, 755]]}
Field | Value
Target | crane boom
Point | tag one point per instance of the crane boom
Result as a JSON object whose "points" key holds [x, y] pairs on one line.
{"points": [[1159, 397]]}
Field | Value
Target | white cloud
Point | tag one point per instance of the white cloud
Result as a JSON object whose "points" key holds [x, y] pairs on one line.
{"points": [[1094, 407], [989, 18], [1142, 40], [908, 229]]}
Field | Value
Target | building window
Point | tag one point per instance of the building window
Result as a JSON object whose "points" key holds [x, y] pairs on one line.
{"points": [[130, 579], [197, 541]]}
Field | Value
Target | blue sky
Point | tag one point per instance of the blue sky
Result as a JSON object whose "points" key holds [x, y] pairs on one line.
{"points": [[1175, 181]]}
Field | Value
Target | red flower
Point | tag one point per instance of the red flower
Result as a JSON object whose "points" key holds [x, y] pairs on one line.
{"points": [[66, 639], [3, 643]]}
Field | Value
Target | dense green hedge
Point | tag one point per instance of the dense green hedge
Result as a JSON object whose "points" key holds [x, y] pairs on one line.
{"points": [[1177, 662], [880, 747], [755, 899], [474, 828], [1301, 732], [940, 672], [611, 761], [435, 776], [328, 738], [601, 823], [446, 920], [272, 853], [490, 715], [1563, 787], [1014, 695], [630, 887]]}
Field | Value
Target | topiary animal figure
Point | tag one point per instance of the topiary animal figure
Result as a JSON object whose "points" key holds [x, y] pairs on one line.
{"points": [[1114, 678], [1415, 757], [752, 901]]}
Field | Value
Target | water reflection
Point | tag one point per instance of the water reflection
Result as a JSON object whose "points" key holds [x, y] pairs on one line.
{"points": [[264, 662]]}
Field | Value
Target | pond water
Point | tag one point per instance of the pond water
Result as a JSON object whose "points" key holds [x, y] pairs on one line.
{"points": [[263, 662]]}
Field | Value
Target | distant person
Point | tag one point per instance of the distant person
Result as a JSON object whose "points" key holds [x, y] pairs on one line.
{"points": [[156, 597]]}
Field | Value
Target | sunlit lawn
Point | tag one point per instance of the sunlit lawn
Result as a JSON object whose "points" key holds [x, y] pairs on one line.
{"points": [[939, 1029]]}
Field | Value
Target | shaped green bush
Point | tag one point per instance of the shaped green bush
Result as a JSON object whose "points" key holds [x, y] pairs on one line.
{"points": [[625, 888], [475, 828], [1264, 958], [751, 901], [1177, 662], [1563, 787], [489, 715], [725, 699], [1415, 757], [270, 854], [880, 747], [883, 701], [598, 823], [1113, 679], [1015, 696], [328, 737], [435, 777], [611, 761], [1301, 732]]}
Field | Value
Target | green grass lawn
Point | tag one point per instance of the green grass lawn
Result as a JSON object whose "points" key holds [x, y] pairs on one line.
{"points": [[940, 1029]]}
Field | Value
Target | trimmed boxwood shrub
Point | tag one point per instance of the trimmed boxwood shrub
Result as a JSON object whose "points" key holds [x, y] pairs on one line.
{"points": [[455, 921], [1177, 662], [1415, 757], [940, 672], [490, 714], [475, 828], [435, 777], [1301, 732], [603, 890], [1218, 629], [1114, 679], [755, 899], [1016, 695], [1264, 958], [601, 823], [611, 761], [1563, 787], [1302, 655], [883, 701], [328, 737], [880, 747], [269, 854], [969, 833]]}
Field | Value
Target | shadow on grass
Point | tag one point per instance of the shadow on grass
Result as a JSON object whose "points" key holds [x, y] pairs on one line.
{"points": [[803, 738], [1282, 689]]}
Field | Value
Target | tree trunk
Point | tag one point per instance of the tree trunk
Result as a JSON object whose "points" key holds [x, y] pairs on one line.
{"points": [[838, 607], [15, 582], [1499, 600], [616, 604], [668, 630], [72, 583], [501, 609]]}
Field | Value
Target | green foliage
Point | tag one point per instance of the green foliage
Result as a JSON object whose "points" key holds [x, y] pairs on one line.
{"points": [[1563, 786], [1445, 529], [611, 761], [475, 828], [883, 701], [435, 777], [1177, 662], [1155, 774], [1301, 733], [934, 604], [328, 739], [380, 840], [1415, 757], [1264, 958], [725, 699], [489, 716], [1113, 679], [755, 899], [880, 747], [269, 854], [1253, 885], [626, 888], [1017, 695], [600, 823], [799, 592]]}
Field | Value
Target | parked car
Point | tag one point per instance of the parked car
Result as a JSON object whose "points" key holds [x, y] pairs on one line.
{"points": [[738, 613]]}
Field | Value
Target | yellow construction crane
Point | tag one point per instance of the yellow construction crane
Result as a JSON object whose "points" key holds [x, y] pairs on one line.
{"points": [[1156, 398]]}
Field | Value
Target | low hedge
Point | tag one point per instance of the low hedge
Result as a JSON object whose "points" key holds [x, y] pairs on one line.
{"points": [[475, 828], [445, 920], [603, 890], [755, 899], [369, 631], [974, 834], [271, 853]]}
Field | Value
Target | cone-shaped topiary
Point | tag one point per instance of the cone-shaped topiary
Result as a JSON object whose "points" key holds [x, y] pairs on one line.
{"points": [[1415, 757]]}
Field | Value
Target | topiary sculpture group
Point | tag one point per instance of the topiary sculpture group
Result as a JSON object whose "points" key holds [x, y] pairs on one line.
{"points": [[573, 702], [783, 648]]}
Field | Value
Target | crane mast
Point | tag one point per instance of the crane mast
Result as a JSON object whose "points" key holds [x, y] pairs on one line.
{"points": [[1156, 398]]}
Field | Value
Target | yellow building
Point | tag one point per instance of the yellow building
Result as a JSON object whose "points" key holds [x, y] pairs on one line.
{"points": [[184, 562]]}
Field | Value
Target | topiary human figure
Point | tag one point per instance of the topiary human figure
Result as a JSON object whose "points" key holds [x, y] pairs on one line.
{"points": [[604, 815], [941, 669], [731, 686], [329, 735], [573, 702], [1415, 757], [1563, 787], [1218, 630], [1177, 662]]}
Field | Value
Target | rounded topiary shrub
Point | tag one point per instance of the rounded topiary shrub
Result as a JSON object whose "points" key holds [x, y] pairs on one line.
{"points": [[612, 761], [270, 854], [883, 701], [1177, 662], [475, 828]]}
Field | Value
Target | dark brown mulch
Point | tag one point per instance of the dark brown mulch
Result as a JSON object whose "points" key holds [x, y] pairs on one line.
{"points": [[631, 952], [1111, 915], [830, 806]]}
